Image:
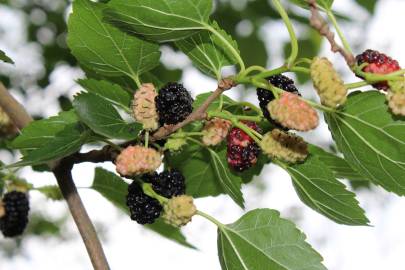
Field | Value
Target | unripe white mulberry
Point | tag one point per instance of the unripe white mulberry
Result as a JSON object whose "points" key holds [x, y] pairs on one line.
{"points": [[284, 146], [396, 97], [179, 210], [327, 82], [144, 107]]}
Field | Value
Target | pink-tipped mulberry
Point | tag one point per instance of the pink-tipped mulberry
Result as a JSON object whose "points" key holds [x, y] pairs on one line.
{"points": [[136, 160], [215, 131], [292, 112]]}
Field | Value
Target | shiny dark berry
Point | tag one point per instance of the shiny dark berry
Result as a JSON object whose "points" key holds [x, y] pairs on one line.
{"points": [[168, 183], [143, 209], [16, 209], [173, 103]]}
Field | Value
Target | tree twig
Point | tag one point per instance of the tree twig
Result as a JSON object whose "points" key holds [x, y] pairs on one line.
{"points": [[62, 171], [199, 114], [318, 22]]}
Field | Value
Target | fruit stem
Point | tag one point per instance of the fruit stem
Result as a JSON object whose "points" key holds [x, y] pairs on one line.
{"points": [[293, 37], [210, 218], [356, 85], [256, 136], [233, 118], [110, 143], [137, 80], [251, 69], [146, 139], [251, 106], [228, 45], [148, 190], [332, 18], [272, 72]]}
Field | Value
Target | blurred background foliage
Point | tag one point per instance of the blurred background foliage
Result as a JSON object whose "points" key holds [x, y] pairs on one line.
{"points": [[45, 29]]}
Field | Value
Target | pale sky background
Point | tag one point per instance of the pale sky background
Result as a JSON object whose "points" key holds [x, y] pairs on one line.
{"points": [[129, 246]]}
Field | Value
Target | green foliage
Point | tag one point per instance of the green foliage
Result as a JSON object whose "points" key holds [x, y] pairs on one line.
{"points": [[371, 139], [340, 167], [110, 92], [101, 116], [51, 192], [368, 4], [105, 49], [5, 58], [52, 138], [319, 189], [262, 240], [326, 4], [159, 20], [207, 172], [114, 189], [38, 133], [208, 52]]}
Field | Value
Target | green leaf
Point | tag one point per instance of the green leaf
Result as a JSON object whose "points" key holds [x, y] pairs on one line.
{"points": [[207, 172], [105, 49], [110, 92], [368, 4], [371, 139], [5, 58], [40, 132], [319, 189], [340, 167], [159, 20], [208, 52], [228, 103], [114, 189], [263, 240], [101, 116], [62, 144], [51, 192], [230, 184]]}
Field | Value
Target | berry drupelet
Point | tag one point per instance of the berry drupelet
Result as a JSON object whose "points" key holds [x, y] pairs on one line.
{"points": [[15, 216], [168, 183], [173, 103], [242, 150], [266, 96], [143, 209], [378, 63]]}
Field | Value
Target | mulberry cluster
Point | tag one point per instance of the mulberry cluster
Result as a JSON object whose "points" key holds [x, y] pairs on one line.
{"points": [[174, 103], [378, 63], [292, 112], [14, 216], [396, 97], [179, 210], [242, 152], [266, 96], [327, 82], [144, 108], [284, 146], [143, 209], [215, 131], [168, 183], [136, 160]]}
